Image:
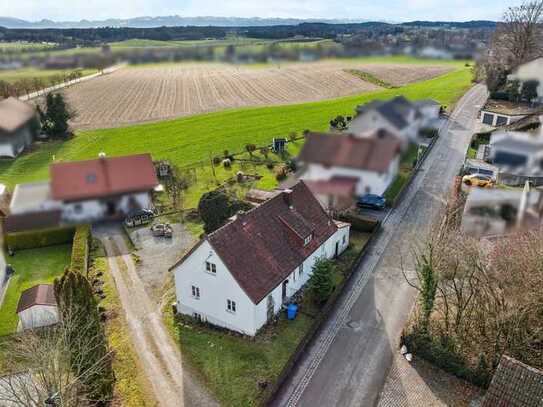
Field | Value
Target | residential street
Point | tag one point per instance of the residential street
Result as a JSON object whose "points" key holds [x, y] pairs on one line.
{"points": [[348, 361], [172, 384]]}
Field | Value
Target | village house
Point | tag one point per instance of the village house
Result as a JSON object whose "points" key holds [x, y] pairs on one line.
{"points": [[19, 126], [398, 116], [530, 71], [500, 113], [241, 275], [345, 165], [37, 307], [86, 191]]}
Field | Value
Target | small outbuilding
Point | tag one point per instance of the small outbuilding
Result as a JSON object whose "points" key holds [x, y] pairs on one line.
{"points": [[19, 126], [37, 307]]}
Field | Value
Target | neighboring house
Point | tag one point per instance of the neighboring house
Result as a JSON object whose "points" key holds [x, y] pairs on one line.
{"points": [[19, 126], [239, 276], [37, 307], [345, 162], [499, 113], [497, 212], [514, 384], [89, 191], [398, 116], [531, 71], [517, 152], [477, 166]]}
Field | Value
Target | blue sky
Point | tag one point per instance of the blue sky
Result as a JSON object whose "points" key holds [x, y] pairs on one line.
{"points": [[390, 10]]}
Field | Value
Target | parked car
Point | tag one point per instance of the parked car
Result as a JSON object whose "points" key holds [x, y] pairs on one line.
{"points": [[371, 201], [478, 180], [162, 230], [140, 217]]}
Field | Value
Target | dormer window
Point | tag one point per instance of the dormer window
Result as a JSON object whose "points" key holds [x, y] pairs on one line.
{"points": [[308, 239], [90, 178]]}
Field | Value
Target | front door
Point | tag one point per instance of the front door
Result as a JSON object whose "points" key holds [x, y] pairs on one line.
{"points": [[337, 249], [284, 292]]}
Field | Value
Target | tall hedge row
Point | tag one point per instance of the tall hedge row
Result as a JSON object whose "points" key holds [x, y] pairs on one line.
{"points": [[39, 238], [80, 249]]}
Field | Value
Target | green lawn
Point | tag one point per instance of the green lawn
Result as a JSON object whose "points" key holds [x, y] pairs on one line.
{"points": [[34, 266], [46, 75], [189, 140], [404, 173]]}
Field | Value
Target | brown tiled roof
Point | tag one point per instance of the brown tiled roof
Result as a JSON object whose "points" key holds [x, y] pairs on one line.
{"points": [[15, 114], [41, 294], [102, 177], [515, 385], [262, 247], [373, 153], [340, 186]]}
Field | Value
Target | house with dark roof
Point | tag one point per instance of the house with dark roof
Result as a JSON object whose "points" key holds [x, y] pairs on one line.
{"points": [[398, 115], [514, 384], [88, 191], [19, 126], [239, 276], [347, 165], [37, 307]]}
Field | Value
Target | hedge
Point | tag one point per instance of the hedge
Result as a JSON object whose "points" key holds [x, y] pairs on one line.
{"points": [[359, 223], [39, 238], [80, 249]]}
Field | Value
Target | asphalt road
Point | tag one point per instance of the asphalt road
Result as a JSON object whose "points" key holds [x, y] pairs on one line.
{"points": [[347, 362]]}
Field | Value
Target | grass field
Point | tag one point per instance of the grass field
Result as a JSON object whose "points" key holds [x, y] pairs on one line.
{"points": [[46, 75], [34, 266], [189, 140]]}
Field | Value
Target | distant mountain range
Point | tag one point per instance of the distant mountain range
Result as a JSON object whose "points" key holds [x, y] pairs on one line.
{"points": [[178, 21]]}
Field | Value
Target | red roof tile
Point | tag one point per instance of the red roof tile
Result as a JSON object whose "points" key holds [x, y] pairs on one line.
{"points": [[102, 177], [263, 246], [41, 294], [374, 153]]}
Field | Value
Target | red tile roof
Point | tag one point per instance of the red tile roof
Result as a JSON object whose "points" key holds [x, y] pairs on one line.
{"points": [[102, 177], [41, 294], [374, 153], [515, 385], [263, 246]]}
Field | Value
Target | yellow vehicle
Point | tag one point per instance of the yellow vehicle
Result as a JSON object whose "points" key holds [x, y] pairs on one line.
{"points": [[478, 180]]}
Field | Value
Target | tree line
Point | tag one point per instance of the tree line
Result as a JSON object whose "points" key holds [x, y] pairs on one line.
{"points": [[26, 86]]}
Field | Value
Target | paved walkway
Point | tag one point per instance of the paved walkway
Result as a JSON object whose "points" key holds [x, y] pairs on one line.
{"points": [[348, 360], [173, 385]]}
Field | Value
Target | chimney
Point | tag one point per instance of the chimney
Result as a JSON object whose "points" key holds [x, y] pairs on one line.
{"points": [[102, 155], [287, 196]]}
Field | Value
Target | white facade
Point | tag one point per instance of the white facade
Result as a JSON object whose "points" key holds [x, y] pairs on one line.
{"points": [[207, 295], [531, 71], [38, 316], [373, 120], [369, 182]]}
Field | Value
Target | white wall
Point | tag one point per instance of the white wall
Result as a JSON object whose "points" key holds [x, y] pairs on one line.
{"points": [[531, 71], [373, 120], [38, 316], [375, 182], [216, 289]]}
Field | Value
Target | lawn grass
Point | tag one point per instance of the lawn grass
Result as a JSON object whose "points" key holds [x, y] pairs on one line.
{"points": [[131, 385], [46, 75], [233, 367], [189, 140], [404, 173], [33, 266]]}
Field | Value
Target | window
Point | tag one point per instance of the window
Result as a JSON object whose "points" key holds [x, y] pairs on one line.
{"points": [[78, 208], [196, 292], [501, 121], [294, 275], [488, 119], [344, 240], [301, 269], [211, 268], [231, 306], [90, 178], [308, 239]]}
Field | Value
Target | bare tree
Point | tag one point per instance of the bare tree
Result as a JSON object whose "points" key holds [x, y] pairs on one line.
{"points": [[41, 367]]}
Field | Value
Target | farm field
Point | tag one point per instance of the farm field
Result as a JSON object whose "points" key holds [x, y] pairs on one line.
{"points": [[46, 75], [158, 92], [192, 139]]}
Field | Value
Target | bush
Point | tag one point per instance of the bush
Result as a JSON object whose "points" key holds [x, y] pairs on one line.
{"points": [[251, 148], [216, 160], [39, 238], [80, 249], [215, 207], [281, 172]]}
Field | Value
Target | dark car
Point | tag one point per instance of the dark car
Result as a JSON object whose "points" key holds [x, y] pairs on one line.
{"points": [[139, 217], [371, 201]]}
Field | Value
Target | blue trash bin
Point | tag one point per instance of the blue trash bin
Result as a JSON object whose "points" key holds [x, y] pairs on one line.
{"points": [[292, 310]]}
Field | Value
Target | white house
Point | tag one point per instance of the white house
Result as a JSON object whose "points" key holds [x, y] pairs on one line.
{"points": [[398, 116], [89, 191], [334, 161], [239, 276], [517, 152], [37, 307], [19, 126], [531, 71], [498, 113]]}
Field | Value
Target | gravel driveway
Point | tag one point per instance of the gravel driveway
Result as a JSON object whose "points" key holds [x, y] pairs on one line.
{"points": [[158, 254]]}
